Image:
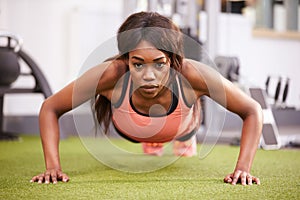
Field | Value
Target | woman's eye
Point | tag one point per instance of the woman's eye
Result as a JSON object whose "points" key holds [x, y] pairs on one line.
{"points": [[159, 65], [138, 65]]}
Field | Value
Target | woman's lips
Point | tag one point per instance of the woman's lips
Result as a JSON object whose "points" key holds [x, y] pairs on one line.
{"points": [[149, 88]]}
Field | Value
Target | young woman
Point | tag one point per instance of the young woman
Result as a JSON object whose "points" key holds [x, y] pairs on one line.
{"points": [[150, 93]]}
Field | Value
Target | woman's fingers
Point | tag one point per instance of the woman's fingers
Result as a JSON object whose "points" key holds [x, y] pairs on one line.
{"points": [[256, 180], [47, 177], [63, 177], [241, 177], [34, 179], [236, 177], [228, 178], [54, 176], [41, 178], [50, 176], [249, 179]]}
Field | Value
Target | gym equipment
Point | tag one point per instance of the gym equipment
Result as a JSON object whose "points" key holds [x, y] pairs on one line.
{"points": [[10, 56], [267, 84], [281, 91], [270, 136], [229, 67], [285, 92], [277, 91]]}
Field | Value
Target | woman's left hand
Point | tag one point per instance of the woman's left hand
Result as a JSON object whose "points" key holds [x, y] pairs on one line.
{"points": [[242, 177]]}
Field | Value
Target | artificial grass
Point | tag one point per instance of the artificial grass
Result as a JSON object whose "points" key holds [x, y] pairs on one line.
{"points": [[187, 178]]}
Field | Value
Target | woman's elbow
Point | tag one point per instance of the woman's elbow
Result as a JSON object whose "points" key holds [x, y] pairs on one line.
{"points": [[256, 110], [48, 107]]}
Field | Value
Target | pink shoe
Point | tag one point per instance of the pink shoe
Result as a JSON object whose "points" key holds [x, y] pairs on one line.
{"points": [[155, 149], [187, 148]]}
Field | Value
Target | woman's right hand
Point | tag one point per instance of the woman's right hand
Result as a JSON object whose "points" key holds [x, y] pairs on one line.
{"points": [[52, 175]]}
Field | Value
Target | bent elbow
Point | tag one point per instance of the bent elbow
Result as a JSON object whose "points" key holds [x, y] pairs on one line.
{"points": [[49, 108], [259, 111], [256, 111]]}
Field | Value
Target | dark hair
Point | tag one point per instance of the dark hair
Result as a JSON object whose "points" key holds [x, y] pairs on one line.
{"points": [[154, 28]]}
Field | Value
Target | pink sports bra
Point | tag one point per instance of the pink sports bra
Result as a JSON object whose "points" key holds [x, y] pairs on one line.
{"points": [[179, 121]]}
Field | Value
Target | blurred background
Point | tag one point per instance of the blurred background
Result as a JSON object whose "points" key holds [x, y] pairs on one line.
{"points": [[264, 36]]}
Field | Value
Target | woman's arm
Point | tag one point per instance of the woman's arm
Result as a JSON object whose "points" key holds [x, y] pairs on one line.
{"points": [[206, 81], [61, 102], [251, 114]]}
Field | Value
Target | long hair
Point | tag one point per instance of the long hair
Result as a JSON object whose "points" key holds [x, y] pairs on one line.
{"points": [[154, 28]]}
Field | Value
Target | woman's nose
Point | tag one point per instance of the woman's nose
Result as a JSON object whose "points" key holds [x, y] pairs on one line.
{"points": [[148, 74]]}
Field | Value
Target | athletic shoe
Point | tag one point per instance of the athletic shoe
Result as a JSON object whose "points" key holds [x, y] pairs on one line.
{"points": [[155, 149], [186, 148]]}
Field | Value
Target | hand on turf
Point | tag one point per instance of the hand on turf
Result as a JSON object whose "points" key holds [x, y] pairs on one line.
{"points": [[48, 176], [241, 177]]}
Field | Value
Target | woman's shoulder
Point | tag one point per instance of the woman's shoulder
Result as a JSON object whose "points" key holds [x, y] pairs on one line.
{"points": [[189, 65], [113, 73], [112, 70], [193, 71], [196, 74]]}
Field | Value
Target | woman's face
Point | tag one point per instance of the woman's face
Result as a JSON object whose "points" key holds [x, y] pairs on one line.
{"points": [[149, 68]]}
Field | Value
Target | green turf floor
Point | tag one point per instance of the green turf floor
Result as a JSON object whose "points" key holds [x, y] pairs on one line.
{"points": [[187, 178]]}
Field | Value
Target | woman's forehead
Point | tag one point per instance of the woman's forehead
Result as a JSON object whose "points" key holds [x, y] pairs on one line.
{"points": [[146, 50], [145, 45]]}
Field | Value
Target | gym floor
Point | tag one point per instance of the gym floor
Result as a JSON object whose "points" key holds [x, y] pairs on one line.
{"points": [[186, 178]]}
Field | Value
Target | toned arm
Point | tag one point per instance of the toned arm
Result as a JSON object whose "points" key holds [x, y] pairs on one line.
{"points": [[99, 79], [207, 81]]}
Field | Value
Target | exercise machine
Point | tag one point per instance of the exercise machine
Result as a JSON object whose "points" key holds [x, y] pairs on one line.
{"points": [[11, 54]]}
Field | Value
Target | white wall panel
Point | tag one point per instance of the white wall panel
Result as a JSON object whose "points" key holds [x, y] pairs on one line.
{"points": [[55, 39]]}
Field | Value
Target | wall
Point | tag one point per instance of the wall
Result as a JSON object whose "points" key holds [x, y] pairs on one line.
{"points": [[260, 56], [59, 35]]}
